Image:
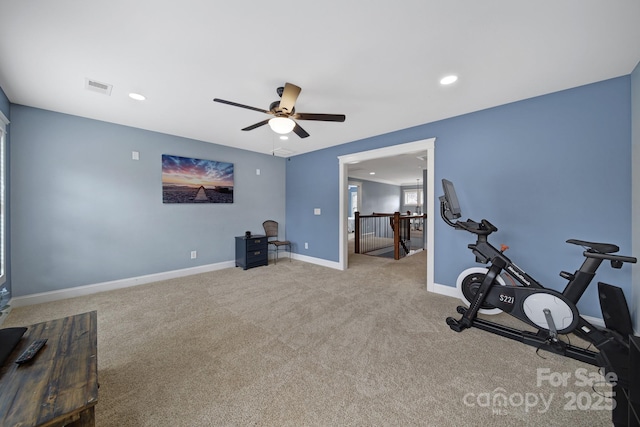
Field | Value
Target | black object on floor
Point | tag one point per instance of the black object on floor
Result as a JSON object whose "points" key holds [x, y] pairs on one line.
{"points": [[9, 339]]}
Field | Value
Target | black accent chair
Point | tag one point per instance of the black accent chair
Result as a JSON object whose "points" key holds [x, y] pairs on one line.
{"points": [[271, 231]]}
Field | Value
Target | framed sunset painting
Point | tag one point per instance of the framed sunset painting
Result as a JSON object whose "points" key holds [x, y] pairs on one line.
{"points": [[189, 180]]}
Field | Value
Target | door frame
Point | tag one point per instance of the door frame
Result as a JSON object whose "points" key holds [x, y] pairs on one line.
{"points": [[427, 145]]}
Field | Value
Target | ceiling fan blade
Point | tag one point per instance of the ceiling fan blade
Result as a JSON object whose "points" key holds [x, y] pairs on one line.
{"points": [[235, 104], [300, 132], [289, 97], [257, 125], [321, 117]]}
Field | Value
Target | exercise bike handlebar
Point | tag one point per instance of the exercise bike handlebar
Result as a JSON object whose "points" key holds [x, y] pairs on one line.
{"points": [[610, 257], [483, 228]]}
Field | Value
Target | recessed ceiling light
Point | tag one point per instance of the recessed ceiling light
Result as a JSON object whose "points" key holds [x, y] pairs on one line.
{"points": [[447, 80], [137, 96], [372, 173], [284, 137]]}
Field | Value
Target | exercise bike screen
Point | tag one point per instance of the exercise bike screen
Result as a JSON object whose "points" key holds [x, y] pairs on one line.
{"points": [[451, 198]]}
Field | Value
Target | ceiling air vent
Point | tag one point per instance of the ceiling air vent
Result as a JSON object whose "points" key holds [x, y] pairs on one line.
{"points": [[281, 152], [95, 86]]}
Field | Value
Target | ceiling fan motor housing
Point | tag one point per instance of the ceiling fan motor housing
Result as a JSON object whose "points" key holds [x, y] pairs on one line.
{"points": [[275, 108]]}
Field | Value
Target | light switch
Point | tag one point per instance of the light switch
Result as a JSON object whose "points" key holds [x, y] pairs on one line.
{"points": [[135, 155], [316, 211], [257, 171]]}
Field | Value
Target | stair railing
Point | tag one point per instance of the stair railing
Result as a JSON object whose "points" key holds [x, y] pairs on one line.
{"points": [[383, 230]]}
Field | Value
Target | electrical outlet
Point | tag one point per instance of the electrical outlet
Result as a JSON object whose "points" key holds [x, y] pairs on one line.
{"points": [[306, 245], [194, 254]]}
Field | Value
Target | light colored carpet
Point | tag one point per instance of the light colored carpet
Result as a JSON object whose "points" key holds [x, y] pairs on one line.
{"points": [[296, 344]]}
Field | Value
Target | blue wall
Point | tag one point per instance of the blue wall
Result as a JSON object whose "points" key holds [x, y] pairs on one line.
{"points": [[543, 170], [379, 197], [83, 212], [4, 103]]}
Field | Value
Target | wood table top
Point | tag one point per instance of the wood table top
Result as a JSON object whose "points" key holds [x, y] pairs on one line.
{"points": [[62, 379]]}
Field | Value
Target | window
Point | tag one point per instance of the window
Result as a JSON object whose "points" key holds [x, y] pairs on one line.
{"points": [[355, 191], [3, 217], [413, 197]]}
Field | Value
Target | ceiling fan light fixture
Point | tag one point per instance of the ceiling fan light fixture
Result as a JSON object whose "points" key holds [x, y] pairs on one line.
{"points": [[282, 125], [447, 80]]}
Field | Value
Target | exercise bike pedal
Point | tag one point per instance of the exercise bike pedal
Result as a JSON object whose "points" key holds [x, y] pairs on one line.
{"points": [[461, 309], [454, 324]]}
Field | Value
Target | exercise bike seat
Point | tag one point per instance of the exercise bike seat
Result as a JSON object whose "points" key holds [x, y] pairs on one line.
{"points": [[603, 248]]}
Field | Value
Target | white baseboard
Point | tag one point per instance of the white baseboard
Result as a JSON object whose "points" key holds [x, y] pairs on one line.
{"points": [[449, 291], [77, 291], [317, 261], [114, 284], [595, 321]]}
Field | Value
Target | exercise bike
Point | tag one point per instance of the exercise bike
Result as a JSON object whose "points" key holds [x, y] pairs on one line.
{"points": [[550, 312]]}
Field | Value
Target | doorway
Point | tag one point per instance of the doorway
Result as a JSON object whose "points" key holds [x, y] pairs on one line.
{"points": [[426, 145]]}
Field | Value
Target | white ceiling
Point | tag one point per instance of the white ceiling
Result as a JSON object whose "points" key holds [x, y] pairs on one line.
{"points": [[377, 62], [402, 169]]}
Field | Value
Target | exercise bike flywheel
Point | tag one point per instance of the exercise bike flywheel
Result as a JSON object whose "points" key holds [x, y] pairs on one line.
{"points": [[468, 283]]}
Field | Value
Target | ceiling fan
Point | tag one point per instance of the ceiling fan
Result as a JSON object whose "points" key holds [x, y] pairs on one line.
{"points": [[284, 112]]}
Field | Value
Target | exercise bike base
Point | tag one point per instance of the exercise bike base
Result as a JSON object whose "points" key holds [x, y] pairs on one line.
{"points": [[529, 338], [456, 325]]}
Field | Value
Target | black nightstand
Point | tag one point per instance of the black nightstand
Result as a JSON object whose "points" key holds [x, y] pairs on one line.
{"points": [[251, 251]]}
